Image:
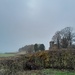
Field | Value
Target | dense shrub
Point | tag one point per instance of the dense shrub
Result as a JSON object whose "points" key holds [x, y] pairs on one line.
{"points": [[61, 59], [55, 59]]}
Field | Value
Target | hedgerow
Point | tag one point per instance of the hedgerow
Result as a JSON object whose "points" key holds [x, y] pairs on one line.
{"points": [[60, 59]]}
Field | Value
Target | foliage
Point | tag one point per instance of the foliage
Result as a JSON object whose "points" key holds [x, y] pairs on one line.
{"points": [[39, 47], [42, 47], [55, 59], [36, 47], [60, 59]]}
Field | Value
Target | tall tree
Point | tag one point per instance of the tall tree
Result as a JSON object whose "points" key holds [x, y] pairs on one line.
{"points": [[42, 47], [64, 37], [36, 47], [64, 42], [57, 38], [68, 34]]}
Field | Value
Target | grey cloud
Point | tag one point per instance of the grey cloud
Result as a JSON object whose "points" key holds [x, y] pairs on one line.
{"points": [[29, 21]]}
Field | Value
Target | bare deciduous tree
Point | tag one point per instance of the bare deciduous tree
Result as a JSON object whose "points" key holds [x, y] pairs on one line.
{"points": [[57, 38], [68, 34], [64, 37]]}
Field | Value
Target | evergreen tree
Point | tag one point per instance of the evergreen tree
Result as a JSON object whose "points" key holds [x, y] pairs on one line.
{"points": [[42, 47], [36, 47]]}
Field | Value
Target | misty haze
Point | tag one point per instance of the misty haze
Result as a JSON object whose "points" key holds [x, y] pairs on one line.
{"points": [[37, 37]]}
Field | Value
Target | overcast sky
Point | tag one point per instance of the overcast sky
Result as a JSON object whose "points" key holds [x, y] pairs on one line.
{"points": [[24, 22]]}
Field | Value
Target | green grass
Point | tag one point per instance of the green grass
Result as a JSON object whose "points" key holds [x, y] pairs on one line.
{"points": [[46, 72], [6, 55], [57, 72]]}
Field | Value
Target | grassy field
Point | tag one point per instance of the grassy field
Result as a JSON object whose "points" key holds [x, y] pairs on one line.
{"points": [[6, 54], [47, 72]]}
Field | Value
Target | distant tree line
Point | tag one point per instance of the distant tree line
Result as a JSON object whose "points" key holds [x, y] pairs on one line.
{"points": [[32, 48]]}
